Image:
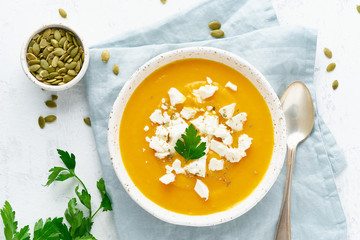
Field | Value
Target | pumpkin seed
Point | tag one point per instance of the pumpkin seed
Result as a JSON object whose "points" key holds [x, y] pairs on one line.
{"points": [[32, 62], [52, 75], [38, 77], [163, 1], [46, 33], [68, 78], [71, 65], [62, 13], [50, 103], [34, 67], [31, 56], [62, 41], [51, 69], [62, 70], [44, 43], [78, 66], [358, 8], [44, 64], [330, 67], [50, 118], [74, 52], [54, 97], [36, 49], [55, 61], [327, 53], [60, 64], [116, 69], [105, 55], [54, 42], [44, 73], [72, 73], [335, 84], [87, 121], [30, 50], [69, 60], [59, 52], [57, 82], [215, 25], [217, 33], [41, 122], [57, 35]]}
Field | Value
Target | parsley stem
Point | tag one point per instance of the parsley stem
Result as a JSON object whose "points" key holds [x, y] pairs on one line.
{"points": [[95, 213]]}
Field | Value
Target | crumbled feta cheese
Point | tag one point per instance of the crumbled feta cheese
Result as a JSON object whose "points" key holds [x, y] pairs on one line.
{"points": [[236, 122], [166, 117], [167, 178], [163, 100], [162, 133], [147, 139], [157, 117], [234, 154], [209, 108], [177, 167], [244, 142], [204, 92], [175, 132], [197, 167], [209, 80], [201, 189], [176, 97], [231, 86], [227, 111], [216, 165], [164, 107], [169, 169], [206, 140], [146, 128], [224, 134], [218, 147], [188, 112], [161, 147], [143, 149]]}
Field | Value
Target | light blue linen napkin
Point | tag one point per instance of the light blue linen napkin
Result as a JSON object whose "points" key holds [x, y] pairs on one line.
{"points": [[284, 54]]}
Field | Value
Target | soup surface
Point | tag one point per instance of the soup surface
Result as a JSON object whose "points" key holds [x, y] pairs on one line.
{"points": [[236, 180]]}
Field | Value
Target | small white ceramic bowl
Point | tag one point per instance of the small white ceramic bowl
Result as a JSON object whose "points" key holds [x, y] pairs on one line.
{"points": [[257, 79], [55, 87]]}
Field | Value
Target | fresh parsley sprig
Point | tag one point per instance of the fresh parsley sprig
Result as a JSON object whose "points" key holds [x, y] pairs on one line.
{"points": [[54, 229], [190, 148]]}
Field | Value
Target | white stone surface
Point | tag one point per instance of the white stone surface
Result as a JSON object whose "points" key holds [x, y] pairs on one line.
{"points": [[27, 152]]}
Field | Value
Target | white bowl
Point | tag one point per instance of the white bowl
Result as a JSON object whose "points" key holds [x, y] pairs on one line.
{"points": [[55, 87], [257, 79]]}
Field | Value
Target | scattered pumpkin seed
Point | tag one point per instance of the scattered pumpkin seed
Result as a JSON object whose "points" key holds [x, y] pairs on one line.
{"points": [[41, 122], [358, 8], [330, 67], [50, 103], [105, 55], [87, 121], [215, 25], [54, 97], [327, 53], [62, 13], [217, 33], [163, 1], [335, 84], [52, 53], [116, 69], [50, 118]]}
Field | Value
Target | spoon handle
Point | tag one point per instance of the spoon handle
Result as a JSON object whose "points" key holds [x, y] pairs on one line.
{"points": [[283, 231]]}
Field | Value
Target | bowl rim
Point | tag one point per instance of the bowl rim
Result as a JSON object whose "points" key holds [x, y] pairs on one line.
{"points": [[55, 87], [239, 209]]}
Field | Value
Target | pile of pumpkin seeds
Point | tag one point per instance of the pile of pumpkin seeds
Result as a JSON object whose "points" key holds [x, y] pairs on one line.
{"points": [[55, 56], [216, 32], [331, 67]]}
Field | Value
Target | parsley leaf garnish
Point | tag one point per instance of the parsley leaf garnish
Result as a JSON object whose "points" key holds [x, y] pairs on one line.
{"points": [[105, 203], [190, 148]]}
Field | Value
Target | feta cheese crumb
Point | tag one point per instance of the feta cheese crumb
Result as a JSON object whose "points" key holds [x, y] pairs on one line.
{"points": [[204, 92], [201, 189], [169, 169], [209, 108], [244, 142], [163, 100], [177, 167], [197, 167], [209, 80], [216, 165], [143, 149], [164, 107], [167, 178], [146, 128], [161, 147], [224, 134], [237, 122], [162, 133], [188, 112], [176, 97], [234, 154], [157, 117], [218, 147], [227, 111], [231, 86]]}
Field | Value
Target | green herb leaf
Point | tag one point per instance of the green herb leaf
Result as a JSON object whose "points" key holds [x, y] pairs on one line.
{"points": [[64, 231], [23, 234], [79, 226], [68, 160], [8, 217], [84, 197], [47, 231], [106, 202], [89, 237], [55, 171], [64, 176], [190, 148]]}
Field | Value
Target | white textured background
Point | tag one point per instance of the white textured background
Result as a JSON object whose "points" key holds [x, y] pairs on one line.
{"points": [[27, 152]]}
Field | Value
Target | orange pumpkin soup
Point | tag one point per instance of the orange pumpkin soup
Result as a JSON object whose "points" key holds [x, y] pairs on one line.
{"points": [[228, 186]]}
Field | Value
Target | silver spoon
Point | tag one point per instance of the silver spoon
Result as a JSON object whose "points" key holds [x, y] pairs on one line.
{"points": [[299, 114]]}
